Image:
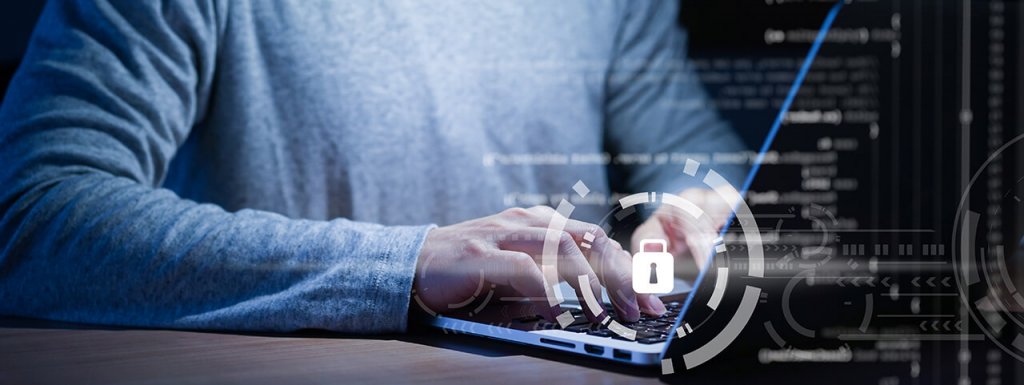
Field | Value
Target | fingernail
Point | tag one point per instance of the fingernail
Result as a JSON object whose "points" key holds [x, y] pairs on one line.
{"points": [[658, 306], [653, 305]]}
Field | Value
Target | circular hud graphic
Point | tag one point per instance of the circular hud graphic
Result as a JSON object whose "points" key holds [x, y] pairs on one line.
{"points": [[985, 259], [627, 210]]}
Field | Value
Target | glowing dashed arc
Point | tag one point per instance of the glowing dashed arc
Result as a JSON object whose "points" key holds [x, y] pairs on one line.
{"points": [[728, 193]]}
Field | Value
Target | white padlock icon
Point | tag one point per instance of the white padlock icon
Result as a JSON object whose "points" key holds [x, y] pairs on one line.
{"points": [[652, 271]]}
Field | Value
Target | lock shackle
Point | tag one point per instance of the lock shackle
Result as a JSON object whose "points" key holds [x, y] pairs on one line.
{"points": [[645, 242]]}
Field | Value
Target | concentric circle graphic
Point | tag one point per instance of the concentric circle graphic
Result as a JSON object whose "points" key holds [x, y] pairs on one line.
{"points": [[822, 220], [749, 235], [985, 273]]}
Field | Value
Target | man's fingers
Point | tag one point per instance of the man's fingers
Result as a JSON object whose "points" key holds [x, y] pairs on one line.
{"points": [[612, 265], [605, 254], [684, 239], [615, 268], [651, 304], [692, 238], [579, 230], [540, 216], [519, 271], [652, 229], [573, 263], [571, 266]]}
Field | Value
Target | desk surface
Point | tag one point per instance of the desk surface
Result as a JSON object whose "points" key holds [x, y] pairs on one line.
{"points": [[41, 352]]}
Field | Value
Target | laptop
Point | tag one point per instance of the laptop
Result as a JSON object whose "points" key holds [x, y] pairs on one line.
{"points": [[514, 319]]}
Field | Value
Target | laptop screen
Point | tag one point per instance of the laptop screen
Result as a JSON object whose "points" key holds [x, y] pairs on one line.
{"points": [[691, 355]]}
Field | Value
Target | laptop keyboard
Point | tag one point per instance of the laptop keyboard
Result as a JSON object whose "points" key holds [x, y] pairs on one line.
{"points": [[649, 330]]}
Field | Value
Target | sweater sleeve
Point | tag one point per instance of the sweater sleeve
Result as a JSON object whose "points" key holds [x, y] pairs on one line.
{"points": [[106, 94], [656, 103]]}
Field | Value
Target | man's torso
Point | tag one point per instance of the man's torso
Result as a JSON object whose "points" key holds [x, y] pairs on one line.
{"points": [[400, 112]]}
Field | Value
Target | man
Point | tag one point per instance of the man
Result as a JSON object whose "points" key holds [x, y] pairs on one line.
{"points": [[276, 165]]}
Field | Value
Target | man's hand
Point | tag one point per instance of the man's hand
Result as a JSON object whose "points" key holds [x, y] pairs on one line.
{"points": [[687, 239], [507, 249]]}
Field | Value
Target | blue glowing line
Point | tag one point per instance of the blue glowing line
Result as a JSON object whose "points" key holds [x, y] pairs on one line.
{"points": [[793, 89], [789, 97]]}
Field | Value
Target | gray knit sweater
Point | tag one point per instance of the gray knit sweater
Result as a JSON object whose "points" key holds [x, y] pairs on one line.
{"points": [[275, 165]]}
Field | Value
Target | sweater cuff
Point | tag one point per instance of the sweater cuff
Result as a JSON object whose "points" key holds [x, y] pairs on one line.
{"points": [[390, 276]]}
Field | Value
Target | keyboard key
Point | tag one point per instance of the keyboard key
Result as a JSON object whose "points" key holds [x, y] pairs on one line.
{"points": [[580, 328], [652, 340], [580, 321], [527, 319], [544, 325], [639, 335], [656, 330]]}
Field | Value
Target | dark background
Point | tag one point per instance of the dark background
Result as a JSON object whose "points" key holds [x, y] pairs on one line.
{"points": [[16, 23], [910, 176]]}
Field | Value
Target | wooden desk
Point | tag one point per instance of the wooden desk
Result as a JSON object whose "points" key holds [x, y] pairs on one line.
{"points": [[40, 352], [49, 353]]}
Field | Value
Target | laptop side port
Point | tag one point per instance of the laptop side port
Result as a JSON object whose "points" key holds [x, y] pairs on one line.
{"points": [[563, 344], [622, 355], [593, 349]]}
